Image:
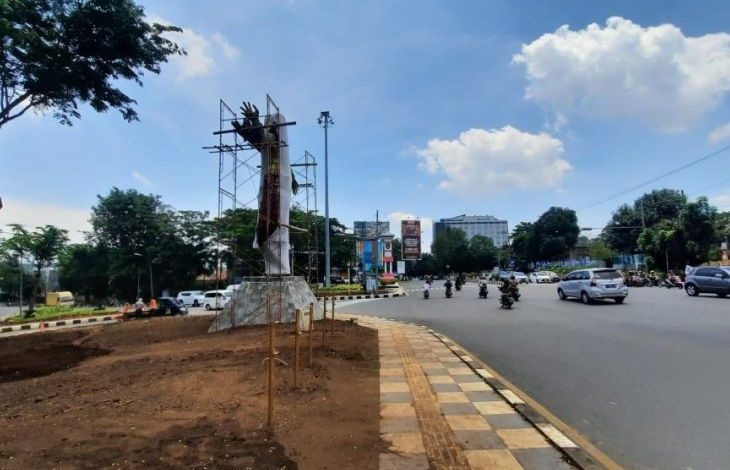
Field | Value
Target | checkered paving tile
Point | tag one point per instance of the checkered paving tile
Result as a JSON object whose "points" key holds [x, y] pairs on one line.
{"points": [[438, 411]]}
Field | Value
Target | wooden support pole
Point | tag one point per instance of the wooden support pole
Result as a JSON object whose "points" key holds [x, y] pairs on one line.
{"points": [[311, 330], [333, 315], [298, 316], [324, 319], [270, 414]]}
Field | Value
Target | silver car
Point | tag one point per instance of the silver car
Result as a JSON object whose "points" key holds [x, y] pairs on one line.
{"points": [[593, 284], [708, 280]]}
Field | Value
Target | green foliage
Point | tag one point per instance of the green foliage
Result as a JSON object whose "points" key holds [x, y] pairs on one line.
{"points": [[57, 53], [524, 249], [59, 312], [84, 269], [140, 234], [555, 232], [677, 232], [451, 248], [41, 247], [598, 250], [482, 253], [10, 277]]}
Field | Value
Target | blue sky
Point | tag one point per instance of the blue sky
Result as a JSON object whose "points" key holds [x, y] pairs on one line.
{"points": [[441, 108]]}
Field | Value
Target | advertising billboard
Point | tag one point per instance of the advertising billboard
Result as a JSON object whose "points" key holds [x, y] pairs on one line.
{"points": [[367, 229], [411, 239]]}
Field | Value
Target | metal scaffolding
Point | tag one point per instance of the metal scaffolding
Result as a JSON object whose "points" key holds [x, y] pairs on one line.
{"points": [[238, 187]]}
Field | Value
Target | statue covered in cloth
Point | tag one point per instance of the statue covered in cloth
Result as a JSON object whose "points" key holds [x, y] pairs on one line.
{"points": [[275, 189]]}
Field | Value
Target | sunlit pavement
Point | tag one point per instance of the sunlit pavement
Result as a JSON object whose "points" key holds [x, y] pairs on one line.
{"points": [[646, 382]]}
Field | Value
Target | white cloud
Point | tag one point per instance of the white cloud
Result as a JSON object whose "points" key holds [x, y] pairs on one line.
{"points": [[33, 214], [480, 161], [654, 74], [426, 227], [142, 178], [204, 53], [719, 134], [721, 201]]}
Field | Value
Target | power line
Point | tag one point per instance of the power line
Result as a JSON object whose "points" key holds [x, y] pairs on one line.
{"points": [[657, 178]]}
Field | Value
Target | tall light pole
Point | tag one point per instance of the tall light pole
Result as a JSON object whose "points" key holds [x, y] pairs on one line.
{"points": [[326, 121]]}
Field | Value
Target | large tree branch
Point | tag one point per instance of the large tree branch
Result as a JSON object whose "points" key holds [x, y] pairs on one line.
{"points": [[5, 112], [7, 119]]}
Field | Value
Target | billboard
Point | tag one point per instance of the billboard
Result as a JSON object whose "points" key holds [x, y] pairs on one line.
{"points": [[371, 229], [411, 239]]}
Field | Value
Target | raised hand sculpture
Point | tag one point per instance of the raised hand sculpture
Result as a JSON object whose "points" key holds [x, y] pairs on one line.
{"points": [[275, 189]]}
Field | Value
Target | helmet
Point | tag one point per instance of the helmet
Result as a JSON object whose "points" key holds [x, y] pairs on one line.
{"points": [[512, 276]]}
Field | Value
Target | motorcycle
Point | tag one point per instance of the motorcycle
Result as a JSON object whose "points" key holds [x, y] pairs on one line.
{"points": [[515, 293], [448, 292], [506, 300], [458, 286], [426, 295], [483, 292]]}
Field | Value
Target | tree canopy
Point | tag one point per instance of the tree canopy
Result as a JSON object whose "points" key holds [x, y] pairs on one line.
{"points": [[55, 54]]}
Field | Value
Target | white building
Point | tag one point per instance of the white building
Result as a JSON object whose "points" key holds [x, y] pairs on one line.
{"points": [[486, 225]]}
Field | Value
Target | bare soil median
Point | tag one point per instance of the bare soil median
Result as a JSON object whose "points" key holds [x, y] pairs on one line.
{"points": [[162, 393]]}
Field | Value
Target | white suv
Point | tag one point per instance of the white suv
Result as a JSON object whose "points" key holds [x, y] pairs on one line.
{"points": [[191, 298], [216, 299], [593, 284]]}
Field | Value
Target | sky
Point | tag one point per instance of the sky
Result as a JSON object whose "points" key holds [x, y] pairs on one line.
{"points": [[503, 108]]}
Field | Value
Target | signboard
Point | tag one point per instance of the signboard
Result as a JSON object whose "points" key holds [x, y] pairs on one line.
{"points": [[371, 229], [401, 267], [411, 239]]}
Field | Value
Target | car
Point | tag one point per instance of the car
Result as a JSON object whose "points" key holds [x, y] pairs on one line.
{"points": [[540, 277], [190, 298], [232, 287], [554, 277], [171, 306], [708, 280], [593, 284], [216, 299], [337, 280]]}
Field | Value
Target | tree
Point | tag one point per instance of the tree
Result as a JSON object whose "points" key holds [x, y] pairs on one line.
{"points": [[697, 220], [598, 250], [145, 237], [555, 232], [84, 269], [10, 277], [524, 246], [57, 53], [451, 248], [42, 247], [482, 252]]}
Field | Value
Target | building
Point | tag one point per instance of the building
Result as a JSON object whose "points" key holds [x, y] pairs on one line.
{"points": [[374, 246], [485, 225]]}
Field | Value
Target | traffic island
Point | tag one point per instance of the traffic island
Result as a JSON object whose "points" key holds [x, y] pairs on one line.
{"points": [[163, 393]]}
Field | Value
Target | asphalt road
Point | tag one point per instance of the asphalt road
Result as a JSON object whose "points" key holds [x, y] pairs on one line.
{"points": [[648, 382]]}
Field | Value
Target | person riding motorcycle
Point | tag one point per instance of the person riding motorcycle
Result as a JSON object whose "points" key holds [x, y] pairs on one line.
{"points": [[448, 286], [426, 289], [505, 298], [458, 282], [514, 288], [483, 287]]}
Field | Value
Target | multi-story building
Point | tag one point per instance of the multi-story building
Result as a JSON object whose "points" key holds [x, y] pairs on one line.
{"points": [[485, 225]]}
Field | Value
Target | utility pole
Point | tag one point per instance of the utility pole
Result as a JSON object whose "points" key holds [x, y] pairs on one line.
{"points": [[20, 270], [326, 121]]}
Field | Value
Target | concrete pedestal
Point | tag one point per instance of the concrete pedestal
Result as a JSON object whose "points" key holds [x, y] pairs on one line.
{"points": [[248, 304]]}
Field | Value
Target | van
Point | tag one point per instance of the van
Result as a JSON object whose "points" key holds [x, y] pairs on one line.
{"points": [[216, 299], [62, 299]]}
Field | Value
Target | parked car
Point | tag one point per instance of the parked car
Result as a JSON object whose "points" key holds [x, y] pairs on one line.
{"points": [[519, 277], [191, 298], [171, 306], [554, 277], [708, 280], [216, 299], [540, 277], [232, 287], [593, 284]]}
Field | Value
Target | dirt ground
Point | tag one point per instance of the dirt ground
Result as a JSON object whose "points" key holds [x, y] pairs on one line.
{"points": [[162, 393]]}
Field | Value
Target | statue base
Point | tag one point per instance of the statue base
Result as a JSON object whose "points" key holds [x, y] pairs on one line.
{"points": [[248, 306]]}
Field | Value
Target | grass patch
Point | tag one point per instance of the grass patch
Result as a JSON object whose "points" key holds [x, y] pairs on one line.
{"points": [[60, 313]]}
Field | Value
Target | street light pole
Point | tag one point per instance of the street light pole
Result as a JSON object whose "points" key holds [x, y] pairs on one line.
{"points": [[326, 121], [20, 271]]}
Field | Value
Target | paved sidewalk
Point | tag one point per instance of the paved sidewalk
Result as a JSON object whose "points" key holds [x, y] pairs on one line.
{"points": [[439, 412]]}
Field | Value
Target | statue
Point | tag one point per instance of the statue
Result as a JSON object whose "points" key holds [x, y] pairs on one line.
{"points": [[275, 189]]}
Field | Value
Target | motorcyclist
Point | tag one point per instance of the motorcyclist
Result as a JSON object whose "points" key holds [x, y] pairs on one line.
{"points": [[448, 284], [483, 286], [426, 289], [506, 293]]}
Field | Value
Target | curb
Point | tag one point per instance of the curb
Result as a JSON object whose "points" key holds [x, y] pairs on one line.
{"points": [[51, 324], [574, 453], [364, 296]]}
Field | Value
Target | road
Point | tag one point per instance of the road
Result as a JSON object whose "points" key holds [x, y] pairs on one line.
{"points": [[648, 382]]}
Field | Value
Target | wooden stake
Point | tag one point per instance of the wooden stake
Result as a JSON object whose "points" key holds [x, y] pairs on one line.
{"points": [[333, 315], [324, 320], [311, 330], [270, 415], [298, 315]]}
